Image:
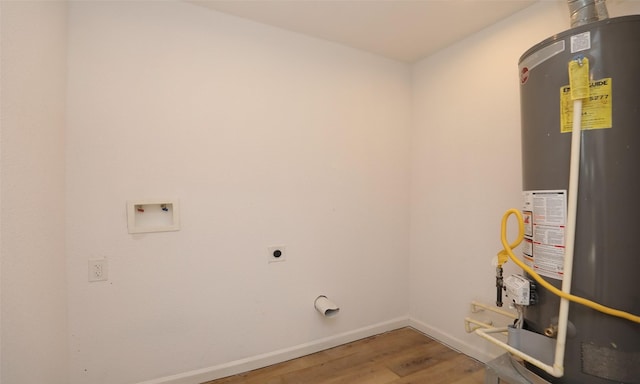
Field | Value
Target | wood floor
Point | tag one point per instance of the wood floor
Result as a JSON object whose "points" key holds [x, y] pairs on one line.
{"points": [[403, 356]]}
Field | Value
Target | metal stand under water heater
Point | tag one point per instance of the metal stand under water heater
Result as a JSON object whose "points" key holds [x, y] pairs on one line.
{"points": [[580, 106]]}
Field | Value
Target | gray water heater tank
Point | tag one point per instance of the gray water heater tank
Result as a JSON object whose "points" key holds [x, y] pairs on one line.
{"points": [[601, 349]]}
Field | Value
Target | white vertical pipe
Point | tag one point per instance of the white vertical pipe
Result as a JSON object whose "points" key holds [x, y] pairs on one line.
{"points": [[574, 178]]}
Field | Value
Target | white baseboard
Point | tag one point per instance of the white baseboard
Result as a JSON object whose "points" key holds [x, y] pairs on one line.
{"points": [[260, 361], [452, 342]]}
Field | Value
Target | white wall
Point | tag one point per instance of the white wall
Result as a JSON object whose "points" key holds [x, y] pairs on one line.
{"points": [[466, 167], [266, 137], [34, 333]]}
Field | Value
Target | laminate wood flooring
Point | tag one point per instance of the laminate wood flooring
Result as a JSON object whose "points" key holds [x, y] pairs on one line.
{"points": [[403, 356]]}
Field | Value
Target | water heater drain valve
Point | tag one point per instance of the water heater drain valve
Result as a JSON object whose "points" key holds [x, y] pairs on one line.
{"points": [[520, 290]]}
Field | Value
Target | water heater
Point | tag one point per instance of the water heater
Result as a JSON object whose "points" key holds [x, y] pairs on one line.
{"points": [[600, 349]]}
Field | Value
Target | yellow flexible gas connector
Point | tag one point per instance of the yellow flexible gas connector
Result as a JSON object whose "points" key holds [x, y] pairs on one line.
{"points": [[507, 253]]}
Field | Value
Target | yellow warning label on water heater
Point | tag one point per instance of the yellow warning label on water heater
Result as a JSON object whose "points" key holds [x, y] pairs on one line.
{"points": [[596, 110], [579, 78]]}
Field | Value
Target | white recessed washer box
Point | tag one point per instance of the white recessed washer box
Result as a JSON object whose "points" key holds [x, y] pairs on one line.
{"points": [[153, 215]]}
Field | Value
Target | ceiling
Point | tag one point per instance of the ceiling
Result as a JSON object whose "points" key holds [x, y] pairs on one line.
{"points": [[404, 30]]}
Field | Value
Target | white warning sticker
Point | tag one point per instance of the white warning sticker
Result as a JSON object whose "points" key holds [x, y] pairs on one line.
{"points": [[581, 42], [545, 219]]}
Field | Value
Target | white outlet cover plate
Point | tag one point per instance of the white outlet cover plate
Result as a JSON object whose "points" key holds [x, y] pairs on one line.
{"points": [[98, 270]]}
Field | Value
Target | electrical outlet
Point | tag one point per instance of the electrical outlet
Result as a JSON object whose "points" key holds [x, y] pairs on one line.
{"points": [[97, 270], [276, 253]]}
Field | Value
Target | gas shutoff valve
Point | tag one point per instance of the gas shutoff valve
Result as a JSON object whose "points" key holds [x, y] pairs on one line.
{"points": [[520, 290]]}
